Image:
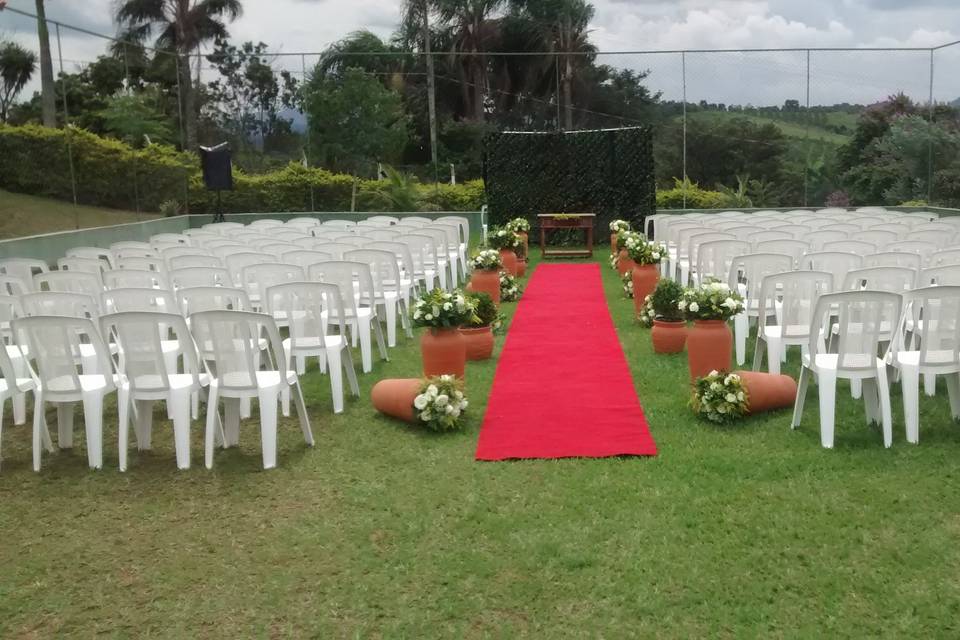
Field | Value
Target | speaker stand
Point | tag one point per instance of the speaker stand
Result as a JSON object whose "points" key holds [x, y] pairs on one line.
{"points": [[218, 216]]}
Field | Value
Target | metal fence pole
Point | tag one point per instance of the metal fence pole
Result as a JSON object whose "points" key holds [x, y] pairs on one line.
{"points": [[806, 165], [306, 117], [683, 68], [136, 176], [183, 134], [68, 132], [930, 137]]}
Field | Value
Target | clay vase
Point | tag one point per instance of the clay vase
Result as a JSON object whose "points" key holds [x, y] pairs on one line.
{"points": [[487, 281], [645, 278], [668, 336], [479, 342], [767, 391], [709, 347], [613, 243], [394, 397], [444, 352], [521, 267], [509, 259], [625, 264]]}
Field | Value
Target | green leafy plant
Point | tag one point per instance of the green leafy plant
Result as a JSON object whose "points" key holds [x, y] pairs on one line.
{"points": [[712, 300], [486, 259], [720, 397], [440, 403], [510, 291], [170, 208], [398, 192], [643, 251], [664, 300], [503, 238], [485, 311], [439, 309]]}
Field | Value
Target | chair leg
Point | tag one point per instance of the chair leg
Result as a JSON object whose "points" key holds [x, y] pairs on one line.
{"points": [[336, 380], [758, 350], [93, 423], [405, 317], [231, 421], [930, 384], [268, 425], [65, 425], [856, 388], [953, 392], [381, 346], [802, 385], [179, 403], [741, 328], [144, 423], [775, 351], [302, 414], [870, 400], [910, 388], [366, 357], [351, 370], [38, 424], [123, 426], [212, 420], [827, 388], [19, 399], [885, 412], [390, 306]]}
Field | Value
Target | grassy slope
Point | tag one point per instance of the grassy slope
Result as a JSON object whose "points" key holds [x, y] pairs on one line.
{"points": [[793, 130], [389, 532], [23, 215]]}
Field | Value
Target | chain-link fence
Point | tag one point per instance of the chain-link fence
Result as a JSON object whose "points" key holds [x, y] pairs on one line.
{"points": [[761, 127]]}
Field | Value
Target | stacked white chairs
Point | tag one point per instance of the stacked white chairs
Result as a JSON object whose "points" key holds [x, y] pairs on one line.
{"points": [[95, 253], [789, 298], [388, 290], [126, 278], [70, 282], [187, 277], [894, 259], [715, 257], [88, 265], [858, 316], [23, 269], [746, 276]]}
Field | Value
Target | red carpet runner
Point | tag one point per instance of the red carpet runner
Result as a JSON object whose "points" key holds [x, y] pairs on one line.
{"points": [[562, 387]]}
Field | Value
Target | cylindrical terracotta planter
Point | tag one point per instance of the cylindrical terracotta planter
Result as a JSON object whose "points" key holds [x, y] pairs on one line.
{"points": [[709, 347], [479, 342], [668, 337], [613, 242], [645, 278], [509, 259], [487, 281], [767, 391], [624, 264], [394, 397], [521, 267], [444, 352]]}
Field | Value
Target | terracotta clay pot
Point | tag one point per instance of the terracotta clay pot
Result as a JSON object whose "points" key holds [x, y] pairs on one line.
{"points": [[625, 264], [394, 397], [668, 337], [487, 281], [444, 352], [521, 267], [767, 391], [479, 342], [509, 259], [645, 278], [709, 347], [613, 243]]}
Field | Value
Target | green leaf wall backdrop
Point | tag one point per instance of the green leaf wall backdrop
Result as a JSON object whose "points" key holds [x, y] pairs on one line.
{"points": [[608, 172]]}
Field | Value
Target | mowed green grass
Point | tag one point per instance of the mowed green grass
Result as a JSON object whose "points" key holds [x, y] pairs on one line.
{"points": [[385, 531], [24, 215], [794, 130]]}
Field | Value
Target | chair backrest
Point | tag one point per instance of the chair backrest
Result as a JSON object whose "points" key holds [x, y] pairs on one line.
{"points": [[265, 223], [944, 256], [276, 249], [125, 278], [95, 253], [816, 239], [769, 234], [925, 249], [893, 259], [338, 224], [170, 238], [858, 247], [695, 240], [402, 252], [944, 275], [10, 308], [151, 263], [450, 229], [895, 279], [200, 277], [223, 228], [462, 222], [12, 286], [420, 220], [862, 319], [373, 223], [60, 303], [231, 341], [797, 293], [137, 300], [931, 314], [941, 227], [130, 244], [313, 309], [423, 249], [836, 262], [940, 239], [748, 271], [120, 254], [792, 248], [901, 230], [849, 229], [387, 219], [237, 262], [353, 279], [53, 342], [140, 357], [795, 230], [384, 271], [303, 258], [714, 257], [86, 265], [877, 236], [305, 222], [23, 268], [258, 277], [193, 260], [69, 281], [196, 299], [335, 249], [382, 233]]}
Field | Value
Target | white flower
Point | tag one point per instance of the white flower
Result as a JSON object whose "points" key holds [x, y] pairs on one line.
{"points": [[713, 373], [463, 405], [682, 305], [740, 396], [694, 307], [442, 400], [425, 416], [421, 402], [432, 391], [447, 306], [436, 310], [730, 303], [446, 377], [429, 316], [448, 409], [458, 395], [715, 386], [731, 398], [455, 413]]}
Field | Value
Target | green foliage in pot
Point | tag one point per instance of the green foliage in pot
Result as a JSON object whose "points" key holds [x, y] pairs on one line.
{"points": [[485, 311], [664, 300]]}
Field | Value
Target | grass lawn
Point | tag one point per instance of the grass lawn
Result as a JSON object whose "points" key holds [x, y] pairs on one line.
{"points": [[23, 215], [794, 130], [385, 531]]}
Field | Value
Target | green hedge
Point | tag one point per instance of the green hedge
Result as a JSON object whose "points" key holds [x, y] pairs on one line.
{"points": [[109, 173]]}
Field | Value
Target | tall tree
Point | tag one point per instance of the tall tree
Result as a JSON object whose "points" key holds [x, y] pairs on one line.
{"points": [[48, 96], [16, 68], [181, 26]]}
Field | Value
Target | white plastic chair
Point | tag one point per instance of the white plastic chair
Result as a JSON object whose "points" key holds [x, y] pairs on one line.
{"points": [[429, 268], [895, 279], [69, 281], [145, 376], [408, 281], [901, 230], [836, 262], [335, 249], [338, 224], [944, 275], [265, 223], [925, 249], [816, 239], [128, 278], [746, 276], [927, 342], [236, 375], [878, 237], [193, 260], [688, 265], [859, 247], [257, 278], [388, 219], [789, 298], [313, 308], [945, 256], [51, 344], [145, 263], [14, 383], [860, 315], [303, 258], [93, 253], [187, 277], [83, 265], [893, 259], [24, 269], [793, 248], [388, 290], [850, 229], [715, 257], [236, 263]]}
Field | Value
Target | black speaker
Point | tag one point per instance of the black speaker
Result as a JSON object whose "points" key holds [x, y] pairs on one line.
{"points": [[217, 169]]}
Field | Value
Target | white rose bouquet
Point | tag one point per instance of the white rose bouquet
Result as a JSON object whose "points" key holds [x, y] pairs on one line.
{"points": [[619, 226], [518, 225], [486, 259], [712, 300], [440, 403], [503, 238], [510, 291], [720, 397], [643, 251], [439, 309], [647, 313], [627, 281]]}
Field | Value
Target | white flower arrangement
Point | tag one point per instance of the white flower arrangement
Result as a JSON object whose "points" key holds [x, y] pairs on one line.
{"points": [[503, 238], [619, 226], [439, 309], [518, 225], [614, 260], [440, 403], [643, 251], [720, 397], [510, 291], [627, 281], [647, 314], [486, 259], [712, 300]]}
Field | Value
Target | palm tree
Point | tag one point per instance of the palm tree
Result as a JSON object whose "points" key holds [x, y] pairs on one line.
{"points": [[48, 91], [16, 68], [181, 26]]}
